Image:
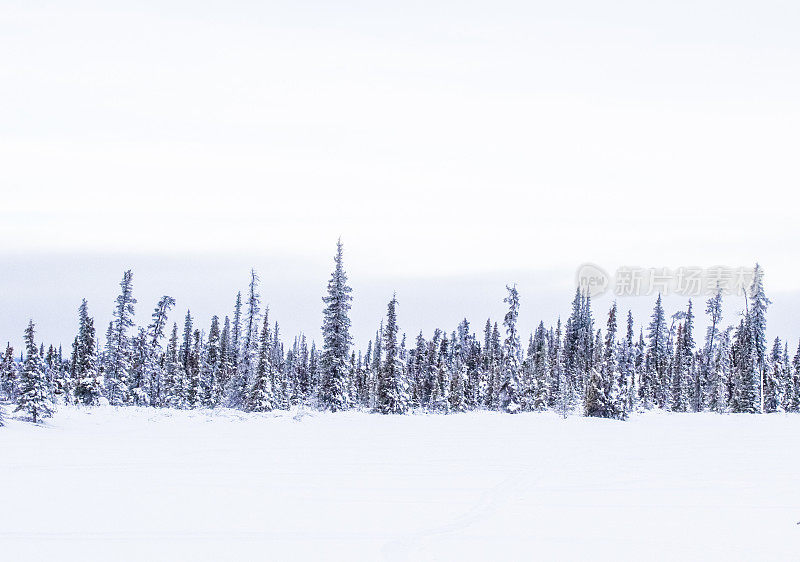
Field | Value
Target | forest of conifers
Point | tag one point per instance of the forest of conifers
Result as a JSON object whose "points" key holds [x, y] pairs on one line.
{"points": [[242, 362]]}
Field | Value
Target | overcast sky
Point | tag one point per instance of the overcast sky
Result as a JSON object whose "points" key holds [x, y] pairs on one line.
{"points": [[474, 142]]}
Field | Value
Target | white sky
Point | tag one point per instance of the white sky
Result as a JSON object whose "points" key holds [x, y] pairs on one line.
{"points": [[438, 138]]}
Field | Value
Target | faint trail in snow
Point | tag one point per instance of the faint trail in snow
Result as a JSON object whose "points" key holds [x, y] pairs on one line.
{"points": [[408, 547]]}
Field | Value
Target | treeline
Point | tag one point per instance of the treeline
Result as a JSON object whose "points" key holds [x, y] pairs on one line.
{"points": [[242, 362]]}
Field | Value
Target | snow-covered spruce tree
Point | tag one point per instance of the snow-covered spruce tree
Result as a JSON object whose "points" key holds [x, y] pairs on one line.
{"points": [[363, 378], [138, 382], [788, 390], [306, 379], [493, 400], [211, 364], [118, 345], [721, 374], [757, 321], [595, 403], [63, 379], [225, 364], [430, 370], [416, 371], [579, 347], [336, 338], [261, 396], [597, 349], [694, 383], [774, 379], [52, 367], [743, 383], [709, 364], [377, 366], [33, 396], [639, 353], [236, 332], [561, 396], [186, 343], [589, 343], [526, 377], [471, 365], [538, 382], [173, 369], [509, 388], [794, 400], [686, 390], [390, 399], [313, 372], [603, 398], [627, 369], [352, 380], [475, 375], [456, 393], [461, 351], [8, 373], [656, 360], [483, 391], [609, 365], [194, 390], [280, 382], [679, 391], [440, 391], [88, 382], [241, 379], [187, 362], [573, 351], [2, 416], [613, 371], [154, 360]]}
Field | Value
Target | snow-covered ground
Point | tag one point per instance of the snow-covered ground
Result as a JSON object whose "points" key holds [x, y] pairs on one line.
{"points": [[111, 484]]}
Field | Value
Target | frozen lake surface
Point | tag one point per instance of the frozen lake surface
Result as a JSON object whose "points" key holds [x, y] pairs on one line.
{"points": [[131, 483]]}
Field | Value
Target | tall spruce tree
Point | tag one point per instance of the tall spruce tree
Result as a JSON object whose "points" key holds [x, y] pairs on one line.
{"points": [[389, 399], [794, 402], [757, 321], [512, 351], [236, 331], [720, 399], [33, 396], [627, 368], [226, 363], [539, 366], [709, 364], [173, 368], [154, 365], [336, 338], [118, 345], [602, 393], [212, 364], [656, 362], [694, 382], [194, 389], [788, 378], [8, 373], [774, 381], [679, 391], [88, 382], [246, 365]]}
